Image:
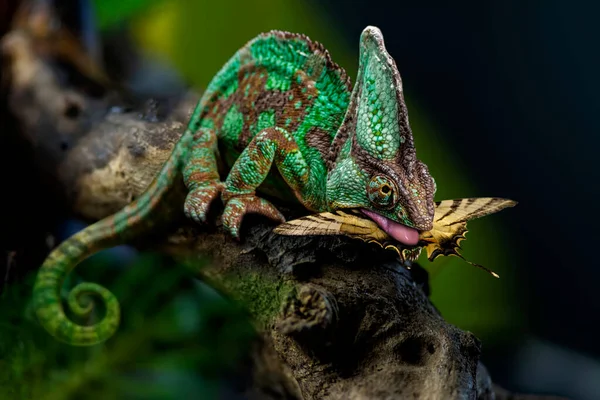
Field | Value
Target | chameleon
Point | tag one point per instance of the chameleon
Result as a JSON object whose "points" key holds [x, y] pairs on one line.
{"points": [[280, 118]]}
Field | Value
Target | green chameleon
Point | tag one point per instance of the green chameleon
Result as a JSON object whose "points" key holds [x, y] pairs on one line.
{"points": [[280, 100]]}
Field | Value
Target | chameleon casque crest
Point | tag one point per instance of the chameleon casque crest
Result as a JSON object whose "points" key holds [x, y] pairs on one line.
{"points": [[282, 118]]}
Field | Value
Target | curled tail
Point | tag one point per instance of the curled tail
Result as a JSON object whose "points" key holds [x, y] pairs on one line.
{"points": [[149, 211]]}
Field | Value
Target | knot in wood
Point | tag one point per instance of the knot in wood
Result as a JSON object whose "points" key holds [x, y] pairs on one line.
{"points": [[311, 308]]}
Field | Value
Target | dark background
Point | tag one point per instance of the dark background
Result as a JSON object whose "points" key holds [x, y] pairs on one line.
{"points": [[515, 86]]}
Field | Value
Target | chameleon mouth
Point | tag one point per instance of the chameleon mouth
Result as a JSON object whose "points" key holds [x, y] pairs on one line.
{"points": [[401, 233]]}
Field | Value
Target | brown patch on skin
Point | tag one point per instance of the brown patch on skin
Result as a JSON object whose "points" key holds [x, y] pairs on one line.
{"points": [[201, 176], [344, 132], [217, 109], [203, 167], [264, 100], [251, 105], [109, 224], [269, 100], [307, 99], [406, 157], [133, 219], [277, 101], [207, 194], [318, 139], [218, 106], [157, 197]]}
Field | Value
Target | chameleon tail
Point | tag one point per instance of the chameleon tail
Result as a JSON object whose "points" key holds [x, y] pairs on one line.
{"points": [[149, 211]]}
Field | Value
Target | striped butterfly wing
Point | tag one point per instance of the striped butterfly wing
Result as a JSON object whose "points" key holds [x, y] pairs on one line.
{"points": [[450, 225], [340, 222]]}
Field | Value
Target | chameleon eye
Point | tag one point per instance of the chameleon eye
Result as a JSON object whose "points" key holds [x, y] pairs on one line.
{"points": [[382, 192]]}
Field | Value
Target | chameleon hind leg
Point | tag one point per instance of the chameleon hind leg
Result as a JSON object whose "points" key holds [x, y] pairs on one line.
{"points": [[268, 147], [201, 175]]}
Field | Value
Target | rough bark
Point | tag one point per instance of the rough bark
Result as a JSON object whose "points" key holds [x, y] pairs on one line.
{"points": [[340, 319]]}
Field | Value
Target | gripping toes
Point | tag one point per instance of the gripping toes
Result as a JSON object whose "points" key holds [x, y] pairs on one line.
{"points": [[237, 207], [199, 200]]}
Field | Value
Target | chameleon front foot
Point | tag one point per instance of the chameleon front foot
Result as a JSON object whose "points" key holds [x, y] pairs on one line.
{"points": [[237, 207], [199, 200]]}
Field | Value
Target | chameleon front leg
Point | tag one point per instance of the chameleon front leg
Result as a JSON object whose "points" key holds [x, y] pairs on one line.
{"points": [[201, 175], [272, 145]]}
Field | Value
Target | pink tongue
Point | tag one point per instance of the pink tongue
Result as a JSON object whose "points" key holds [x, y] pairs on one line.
{"points": [[401, 233]]}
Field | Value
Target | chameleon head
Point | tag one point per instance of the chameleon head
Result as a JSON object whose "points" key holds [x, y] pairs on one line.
{"points": [[376, 168]]}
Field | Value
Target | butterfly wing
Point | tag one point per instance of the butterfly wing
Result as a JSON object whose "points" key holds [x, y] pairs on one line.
{"points": [[340, 222], [450, 224]]}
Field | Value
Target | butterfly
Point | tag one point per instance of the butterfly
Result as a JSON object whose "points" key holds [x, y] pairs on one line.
{"points": [[449, 227]]}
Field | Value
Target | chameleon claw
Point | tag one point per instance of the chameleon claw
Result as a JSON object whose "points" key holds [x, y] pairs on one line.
{"points": [[237, 207], [199, 200]]}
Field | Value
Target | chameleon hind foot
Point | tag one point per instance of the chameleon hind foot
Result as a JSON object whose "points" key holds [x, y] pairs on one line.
{"points": [[238, 206], [199, 200]]}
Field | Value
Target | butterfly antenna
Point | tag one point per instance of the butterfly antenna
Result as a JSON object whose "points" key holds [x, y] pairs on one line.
{"points": [[495, 275]]}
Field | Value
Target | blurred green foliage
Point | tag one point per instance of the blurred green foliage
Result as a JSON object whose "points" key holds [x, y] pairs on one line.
{"points": [[178, 339], [197, 37]]}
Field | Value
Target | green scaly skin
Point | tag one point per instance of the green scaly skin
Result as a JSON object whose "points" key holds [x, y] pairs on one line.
{"points": [[279, 101]]}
